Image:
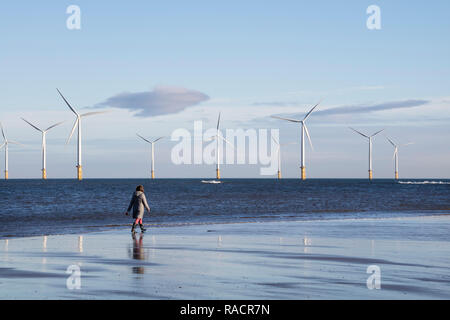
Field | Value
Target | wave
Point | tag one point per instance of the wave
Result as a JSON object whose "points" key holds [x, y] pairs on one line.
{"points": [[424, 182], [211, 181]]}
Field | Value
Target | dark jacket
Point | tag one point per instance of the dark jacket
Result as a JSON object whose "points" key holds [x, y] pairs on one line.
{"points": [[138, 203]]}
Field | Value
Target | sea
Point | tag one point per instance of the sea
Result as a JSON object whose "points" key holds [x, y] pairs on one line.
{"points": [[66, 206]]}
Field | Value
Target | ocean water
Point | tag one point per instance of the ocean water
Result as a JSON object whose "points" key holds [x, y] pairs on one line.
{"points": [[36, 207]]}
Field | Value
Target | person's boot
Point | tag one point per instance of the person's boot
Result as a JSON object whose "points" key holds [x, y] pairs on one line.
{"points": [[142, 228], [132, 228]]}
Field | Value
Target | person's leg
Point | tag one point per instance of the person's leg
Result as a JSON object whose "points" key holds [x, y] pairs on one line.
{"points": [[141, 226], [135, 223]]}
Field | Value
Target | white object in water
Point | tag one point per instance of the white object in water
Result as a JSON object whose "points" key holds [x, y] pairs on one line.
{"points": [[211, 181]]}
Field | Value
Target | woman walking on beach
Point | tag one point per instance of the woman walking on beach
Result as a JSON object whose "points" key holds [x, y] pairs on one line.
{"points": [[138, 203]]}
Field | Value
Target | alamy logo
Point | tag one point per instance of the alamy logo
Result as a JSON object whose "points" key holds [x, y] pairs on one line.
{"points": [[249, 146], [374, 280], [374, 20], [73, 22], [73, 282]]}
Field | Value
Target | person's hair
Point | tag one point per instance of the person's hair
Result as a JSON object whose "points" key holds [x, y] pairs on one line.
{"points": [[140, 188]]}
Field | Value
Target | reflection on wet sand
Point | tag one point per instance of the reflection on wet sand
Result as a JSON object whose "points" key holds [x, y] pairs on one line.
{"points": [[80, 244], [44, 249], [138, 253]]}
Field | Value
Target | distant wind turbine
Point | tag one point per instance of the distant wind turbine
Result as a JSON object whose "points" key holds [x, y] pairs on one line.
{"points": [[219, 137], [370, 149], [44, 145], [395, 158], [304, 130], [6, 145], [78, 123], [279, 154], [153, 151]]}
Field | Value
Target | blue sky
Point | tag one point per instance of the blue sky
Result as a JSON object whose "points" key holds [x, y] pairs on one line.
{"points": [[251, 59]]}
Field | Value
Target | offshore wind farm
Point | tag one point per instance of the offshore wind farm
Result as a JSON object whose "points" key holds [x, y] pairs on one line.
{"points": [[267, 150], [218, 138]]}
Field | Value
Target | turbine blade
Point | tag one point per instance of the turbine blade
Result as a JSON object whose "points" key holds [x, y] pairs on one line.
{"points": [[218, 122], [3, 133], [226, 141], [392, 142], [2, 145], [15, 142], [143, 138], [376, 133], [395, 153], [73, 129], [307, 134], [359, 133], [92, 113], [309, 113], [407, 144], [32, 125], [287, 119], [68, 104], [55, 125], [158, 139]]}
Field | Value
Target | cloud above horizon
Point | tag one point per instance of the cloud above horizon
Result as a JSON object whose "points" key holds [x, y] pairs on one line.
{"points": [[351, 109], [161, 101], [373, 108]]}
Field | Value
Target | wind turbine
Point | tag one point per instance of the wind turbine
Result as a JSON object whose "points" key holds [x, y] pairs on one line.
{"points": [[396, 146], [44, 145], [6, 145], [153, 152], [279, 154], [304, 130], [78, 123], [219, 137], [370, 149]]}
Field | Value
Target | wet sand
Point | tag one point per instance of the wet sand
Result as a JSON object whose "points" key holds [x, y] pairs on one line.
{"points": [[272, 260]]}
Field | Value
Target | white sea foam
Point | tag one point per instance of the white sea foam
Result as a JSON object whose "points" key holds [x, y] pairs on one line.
{"points": [[424, 182]]}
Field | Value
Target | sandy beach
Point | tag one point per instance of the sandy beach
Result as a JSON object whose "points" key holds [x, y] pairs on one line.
{"points": [[271, 260]]}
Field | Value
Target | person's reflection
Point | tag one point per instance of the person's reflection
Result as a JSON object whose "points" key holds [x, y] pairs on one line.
{"points": [[138, 253]]}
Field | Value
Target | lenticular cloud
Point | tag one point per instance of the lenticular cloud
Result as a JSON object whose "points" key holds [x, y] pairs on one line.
{"points": [[161, 101]]}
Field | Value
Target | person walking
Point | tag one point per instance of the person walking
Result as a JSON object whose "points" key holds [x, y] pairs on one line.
{"points": [[139, 204]]}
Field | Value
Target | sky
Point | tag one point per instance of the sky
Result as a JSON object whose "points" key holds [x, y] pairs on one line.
{"points": [[159, 66]]}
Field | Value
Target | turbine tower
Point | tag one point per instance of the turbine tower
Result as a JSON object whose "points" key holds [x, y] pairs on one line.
{"points": [[44, 145], [218, 137], [304, 130], [395, 158], [279, 154], [153, 152], [370, 149], [6, 145], [78, 123]]}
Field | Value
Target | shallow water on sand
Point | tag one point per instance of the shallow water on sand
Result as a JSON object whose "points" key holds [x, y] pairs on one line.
{"points": [[272, 260]]}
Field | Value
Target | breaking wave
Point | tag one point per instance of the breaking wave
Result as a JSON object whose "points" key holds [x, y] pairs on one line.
{"points": [[424, 182]]}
